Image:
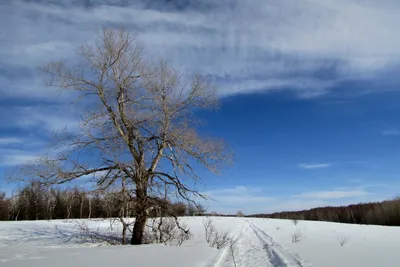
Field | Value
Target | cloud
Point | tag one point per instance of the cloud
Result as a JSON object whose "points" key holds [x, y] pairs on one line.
{"points": [[237, 190], [253, 45], [38, 119], [243, 46], [391, 132], [10, 140], [230, 200], [334, 194], [314, 166], [48, 117], [293, 205], [12, 157], [256, 200]]}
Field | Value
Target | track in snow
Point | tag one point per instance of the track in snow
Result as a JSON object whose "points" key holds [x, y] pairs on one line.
{"points": [[254, 247], [277, 255]]}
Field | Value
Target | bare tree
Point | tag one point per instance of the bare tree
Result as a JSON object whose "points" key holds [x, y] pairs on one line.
{"points": [[200, 210], [50, 203], [191, 210], [140, 126], [239, 214], [90, 206], [81, 204], [14, 207], [68, 199]]}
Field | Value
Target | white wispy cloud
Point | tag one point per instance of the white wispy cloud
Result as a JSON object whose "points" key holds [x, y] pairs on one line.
{"points": [[314, 166], [237, 190], [334, 194], [44, 118], [10, 140], [259, 44], [232, 199], [391, 132], [256, 200], [14, 157], [245, 46], [303, 203]]}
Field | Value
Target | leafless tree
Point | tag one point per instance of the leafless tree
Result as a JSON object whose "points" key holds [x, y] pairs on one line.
{"points": [[24, 202], [14, 207], [68, 198], [82, 203], [191, 210], [140, 126], [200, 210], [90, 206], [50, 202], [239, 214]]}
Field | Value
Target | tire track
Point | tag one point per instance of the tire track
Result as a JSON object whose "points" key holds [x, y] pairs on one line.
{"points": [[277, 255]]}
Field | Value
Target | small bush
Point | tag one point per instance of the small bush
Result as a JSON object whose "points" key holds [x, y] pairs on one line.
{"points": [[168, 231], [86, 235], [342, 240], [220, 240], [295, 221], [209, 229], [233, 250], [213, 238], [297, 236]]}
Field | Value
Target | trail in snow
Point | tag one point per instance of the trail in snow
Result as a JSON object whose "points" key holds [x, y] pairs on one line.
{"points": [[254, 247], [259, 243], [277, 255]]}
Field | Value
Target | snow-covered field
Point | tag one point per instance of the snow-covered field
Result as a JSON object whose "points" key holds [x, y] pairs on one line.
{"points": [[259, 242]]}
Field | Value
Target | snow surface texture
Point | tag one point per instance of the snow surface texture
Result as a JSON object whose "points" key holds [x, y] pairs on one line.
{"points": [[258, 242]]}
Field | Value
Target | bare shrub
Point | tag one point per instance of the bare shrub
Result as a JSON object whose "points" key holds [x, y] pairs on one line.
{"points": [[209, 229], [342, 240], [86, 235], [149, 237], [167, 230], [173, 233], [297, 236], [220, 240], [213, 238], [295, 221], [233, 250]]}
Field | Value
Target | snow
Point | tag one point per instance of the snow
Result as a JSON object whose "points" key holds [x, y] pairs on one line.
{"points": [[258, 242]]}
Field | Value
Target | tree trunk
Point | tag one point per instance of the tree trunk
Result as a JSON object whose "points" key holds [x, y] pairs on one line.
{"points": [[141, 214], [124, 228], [138, 228], [81, 207], [90, 208]]}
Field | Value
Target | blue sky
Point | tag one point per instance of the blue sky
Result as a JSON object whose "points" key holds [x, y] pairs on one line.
{"points": [[309, 89]]}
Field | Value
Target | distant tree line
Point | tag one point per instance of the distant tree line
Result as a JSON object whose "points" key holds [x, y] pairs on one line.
{"points": [[36, 202], [376, 213]]}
